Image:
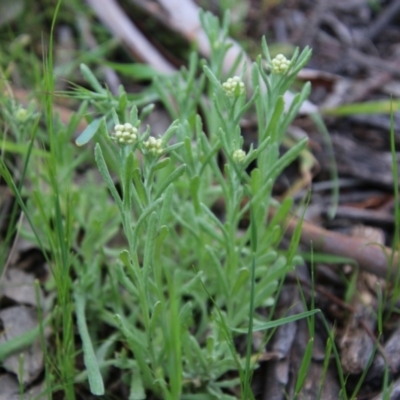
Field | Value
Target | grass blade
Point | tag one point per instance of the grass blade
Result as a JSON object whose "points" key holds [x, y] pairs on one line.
{"points": [[94, 376]]}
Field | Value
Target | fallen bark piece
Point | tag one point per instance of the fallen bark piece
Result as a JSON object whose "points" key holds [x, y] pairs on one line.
{"points": [[312, 389], [288, 345], [356, 344], [367, 216], [354, 158], [394, 392], [277, 371], [392, 352]]}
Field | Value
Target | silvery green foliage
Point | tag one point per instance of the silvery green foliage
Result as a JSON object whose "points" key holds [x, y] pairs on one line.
{"points": [[186, 269]]}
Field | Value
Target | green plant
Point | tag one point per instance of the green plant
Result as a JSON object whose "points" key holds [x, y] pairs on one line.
{"points": [[186, 281], [195, 278]]}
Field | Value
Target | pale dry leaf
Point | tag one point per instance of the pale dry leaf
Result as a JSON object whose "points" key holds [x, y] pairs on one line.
{"points": [[15, 322], [8, 387], [18, 286], [10, 10]]}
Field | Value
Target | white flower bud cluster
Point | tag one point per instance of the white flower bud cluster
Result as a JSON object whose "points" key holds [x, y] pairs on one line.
{"points": [[21, 114], [126, 133], [280, 64], [231, 84], [153, 146], [239, 156]]}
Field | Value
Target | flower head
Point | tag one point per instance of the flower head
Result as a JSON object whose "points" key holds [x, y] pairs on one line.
{"points": [[239, 156], [126, 133], [231, 84], [22, 114], [280, 64], [153, 146]]}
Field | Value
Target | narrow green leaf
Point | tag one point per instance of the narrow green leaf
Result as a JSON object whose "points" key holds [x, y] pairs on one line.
{"points": [[94, 376], [215, 259], [286, 159], [123, 102], [194, 191], [368, 108], [127, 183], [21, 148], [111, 152], [213, 79], [142, 218], [189, 153], [20, 342], [327, 360], [253, 230], [327, 258], [305, 365], [216, 221], [148, 259], [170, 131], [155, 320], [136, 70], [282, 321], [91, 79], [273, 126], [175, 346], [101, 164], [173, 177], [210, 230], [145, 111], [139, 186], [161, 164], [137, 391], [132, 282], [165, 212], [248, 368], [138, 348]]}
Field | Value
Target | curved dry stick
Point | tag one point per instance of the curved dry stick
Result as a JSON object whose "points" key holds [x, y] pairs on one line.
{"points": [[112, 16], [370, 257]]}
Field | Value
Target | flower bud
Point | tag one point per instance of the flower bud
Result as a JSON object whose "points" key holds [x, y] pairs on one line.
{"points": [[231, 85], [280, 64], [153, 146], [125, 134], [239, 156]]}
